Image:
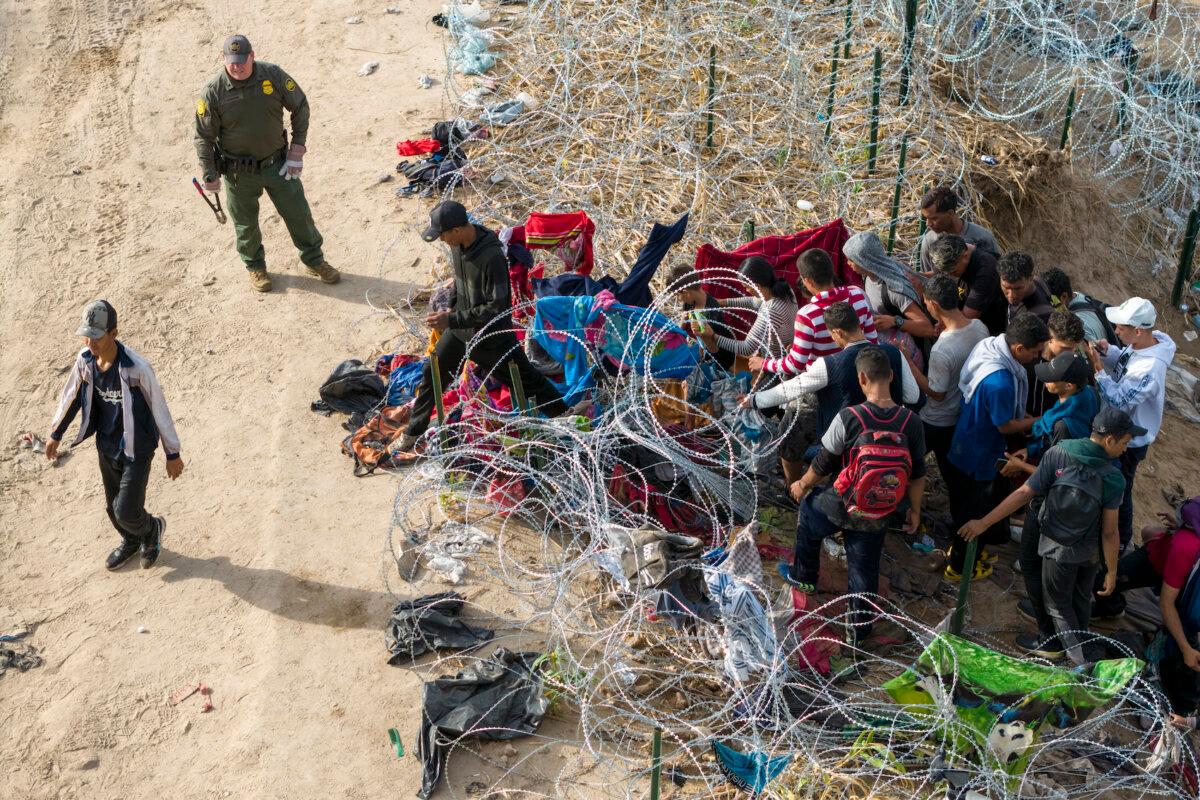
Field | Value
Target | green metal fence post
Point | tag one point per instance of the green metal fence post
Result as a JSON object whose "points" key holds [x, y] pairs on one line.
{"points": [[877, 73], [1185, 256], [896, 195]]}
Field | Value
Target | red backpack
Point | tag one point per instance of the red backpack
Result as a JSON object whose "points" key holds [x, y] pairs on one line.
{"points": [[878, 464]]}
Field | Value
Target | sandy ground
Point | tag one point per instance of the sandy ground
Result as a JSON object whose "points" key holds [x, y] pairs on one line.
{"points": [[272, 589]]}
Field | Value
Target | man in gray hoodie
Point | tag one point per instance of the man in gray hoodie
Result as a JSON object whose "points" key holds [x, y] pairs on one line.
{"points": [[1133, 379]]}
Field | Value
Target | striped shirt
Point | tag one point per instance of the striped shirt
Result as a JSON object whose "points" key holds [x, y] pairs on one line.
{"points": [[810, 337], [771, 334]]}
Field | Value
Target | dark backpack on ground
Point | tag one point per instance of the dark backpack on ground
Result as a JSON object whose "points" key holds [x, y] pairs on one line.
{"points": [[874, 480], [1099, 307], [1071, 510]]}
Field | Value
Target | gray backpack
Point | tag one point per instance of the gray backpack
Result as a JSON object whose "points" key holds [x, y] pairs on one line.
{"points": [[1071, 510]]}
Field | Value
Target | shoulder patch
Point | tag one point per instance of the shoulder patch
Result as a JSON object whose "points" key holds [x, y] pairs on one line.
{"points": [[201, 107], [290, 85], [267, 87]]}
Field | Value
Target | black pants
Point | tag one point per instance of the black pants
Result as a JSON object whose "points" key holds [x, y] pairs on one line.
{"points": [[125, 495], [970, 499], [1134, 571], [863, 552], [492, 356], [1031, 569], [937, 439], [1067, 593], [1129, 464]]}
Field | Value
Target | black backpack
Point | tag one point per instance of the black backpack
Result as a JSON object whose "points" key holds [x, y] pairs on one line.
{"points": [[1099, 307], [1071, 510]]}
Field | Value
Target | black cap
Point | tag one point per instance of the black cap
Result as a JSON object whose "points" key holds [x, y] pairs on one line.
{"points": [[236, 49], [1069, 367], [1115, 422], [445, 216]]}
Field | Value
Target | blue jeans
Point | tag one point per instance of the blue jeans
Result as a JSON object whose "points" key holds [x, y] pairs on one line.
{"points": [[863, 552], [1129, 464]]}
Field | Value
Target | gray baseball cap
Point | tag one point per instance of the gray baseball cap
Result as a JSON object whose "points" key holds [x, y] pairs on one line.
{"points": [[236, 49], [99, 317]]}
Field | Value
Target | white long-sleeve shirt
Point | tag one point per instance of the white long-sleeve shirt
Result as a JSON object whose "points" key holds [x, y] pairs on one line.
{"points": [[816, 377]]}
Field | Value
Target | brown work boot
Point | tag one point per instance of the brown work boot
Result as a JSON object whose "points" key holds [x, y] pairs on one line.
{"points": [[260, 280], [326, 273]]}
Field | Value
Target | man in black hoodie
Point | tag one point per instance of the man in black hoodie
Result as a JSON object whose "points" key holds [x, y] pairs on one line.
{"points": [[482, 307]]}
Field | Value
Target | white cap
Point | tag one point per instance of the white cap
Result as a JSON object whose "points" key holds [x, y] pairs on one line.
{"points": [[1136, 311]]}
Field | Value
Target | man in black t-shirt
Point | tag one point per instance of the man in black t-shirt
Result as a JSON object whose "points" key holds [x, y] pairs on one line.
{"points": [[978, 280], [1021, 289], [122, 404], [824, 513]]}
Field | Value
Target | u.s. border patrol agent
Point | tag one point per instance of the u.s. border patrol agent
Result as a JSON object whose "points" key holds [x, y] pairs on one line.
{"points": [[239, 134]]}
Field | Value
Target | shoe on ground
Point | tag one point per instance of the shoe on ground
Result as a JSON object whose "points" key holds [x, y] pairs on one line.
{"points": [[126, 550], [326, 273], [260, 281], [152, 546], [1017, 566], [1036, 645], [785, 572], [982, 571], [1025, 609]]}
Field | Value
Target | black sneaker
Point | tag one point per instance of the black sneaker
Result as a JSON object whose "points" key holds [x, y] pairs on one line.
{"points": [[126, 550], [1025, 609], [1039, 646], [152, 546]]}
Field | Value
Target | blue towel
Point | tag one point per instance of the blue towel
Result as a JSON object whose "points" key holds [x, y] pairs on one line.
{"points": [[751, 771]]}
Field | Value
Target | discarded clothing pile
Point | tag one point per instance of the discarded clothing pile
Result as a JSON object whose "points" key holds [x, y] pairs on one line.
{"points": [[500, 698], [469, 54], [737, 587], [442, 169], [446, 553], [580, 332], [1002, 700], [634, 290], [430, 623], [19, 657], [350, 388], [717, 267]]}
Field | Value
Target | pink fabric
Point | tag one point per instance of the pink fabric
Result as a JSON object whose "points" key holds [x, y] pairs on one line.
{"points": [[570, 235]]}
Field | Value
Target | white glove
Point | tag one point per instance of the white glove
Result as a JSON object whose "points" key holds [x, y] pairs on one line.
{"points": [[291, 169], [293, 164]]}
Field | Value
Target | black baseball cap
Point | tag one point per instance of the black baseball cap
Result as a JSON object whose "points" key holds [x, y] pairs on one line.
{"points": [[445, 216], [236, 49], [1115, 422], [1069, 367]]}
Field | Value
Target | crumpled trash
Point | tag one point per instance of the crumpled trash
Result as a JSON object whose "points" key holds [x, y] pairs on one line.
{"points": [[500, 698], [470, 13], [27, 440], [368, 68], [473, 98], [450, 569], [1183, 393], [19, 657], [424, 82], [502, 113], [430, 623], [356, 20]]}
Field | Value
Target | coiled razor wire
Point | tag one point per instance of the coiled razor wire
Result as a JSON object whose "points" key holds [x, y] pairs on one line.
{"points": [[618, 666], [621, 131]]}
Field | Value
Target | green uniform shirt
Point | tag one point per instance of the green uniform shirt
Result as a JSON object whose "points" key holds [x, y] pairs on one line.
{"points": [[245, 118]]}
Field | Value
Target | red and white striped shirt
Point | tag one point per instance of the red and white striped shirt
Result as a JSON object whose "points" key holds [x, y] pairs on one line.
{"points": [[811, 338]]}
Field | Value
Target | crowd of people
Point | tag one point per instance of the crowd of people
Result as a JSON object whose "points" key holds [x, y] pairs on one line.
{"points": [[1037, 401]]}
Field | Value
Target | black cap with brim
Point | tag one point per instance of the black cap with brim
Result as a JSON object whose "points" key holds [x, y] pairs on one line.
{"points": [[236, 49], [445, 216], [1069, 367], [1115, 422]]}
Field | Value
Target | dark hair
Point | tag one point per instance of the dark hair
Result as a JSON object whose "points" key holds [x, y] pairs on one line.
{"points": [[942, 198], [946, 250], [840, 316], [683, 276], [1027, 330], [1015, 266], [873, 362], [1058, 282], [1065, 326], [759, 271], [943, 290], [816, 266]]}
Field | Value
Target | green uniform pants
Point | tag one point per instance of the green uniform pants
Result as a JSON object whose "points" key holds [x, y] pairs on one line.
{"points": [[242, 192]]}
